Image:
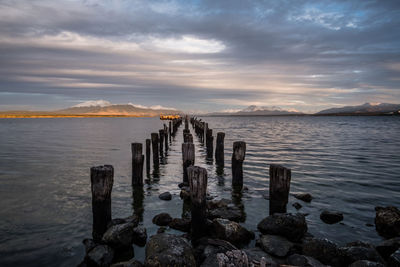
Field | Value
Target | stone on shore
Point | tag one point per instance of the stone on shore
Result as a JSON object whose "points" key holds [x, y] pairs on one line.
{"points": [[139, 236], [162, 219], [130, 263], [131, 219], [323, 250], [291, 226], [387, 221], [387, 247], [353, 254], [365, 263], [297, 205], [207, 249], [256, 255], [165, 196], [231, 213], [169, 250], [233, 258], [275, 245], [306, 197], [301, 260], [181, 224], [100, 255], [232, 232], [119, 236], [89, 244], [331, 217], [394, 259]]}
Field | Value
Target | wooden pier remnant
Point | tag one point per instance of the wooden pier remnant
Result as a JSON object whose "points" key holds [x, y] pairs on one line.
{"points": [[188, 138], [279, 186], [209, 143], [161, 132], [219, 149], [154, 144], [238, 155], [170, 130], [137, 163], [198, 190], [148, 143], [166, 138], [102, 179], [188, 158]]}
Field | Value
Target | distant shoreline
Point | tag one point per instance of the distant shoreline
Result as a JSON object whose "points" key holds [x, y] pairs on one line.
{"points": [[11, 116]]}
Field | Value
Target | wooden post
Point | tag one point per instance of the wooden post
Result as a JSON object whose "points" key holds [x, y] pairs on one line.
{"points": [[137, 163], [166, 139], [238, 155], [279, 186], [209, 144], [188, 138], [148, 142], [161, 142], [186, 123], [198, 190], [205, 133], [101, 178], [187, 158], [154, 144], [219, 149], [170, 130]]}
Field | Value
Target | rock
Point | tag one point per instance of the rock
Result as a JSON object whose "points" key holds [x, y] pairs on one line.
{"points": [[323, 250], [181, 224], [387, 221], [291, 226], [359, 244], [331, 217], [394, 259], [215, 204], [134, 219], [139, 236], [207, 249], [231, 213], [165, 196], [162, 219], [161, 230], [365, 263], [301, 260], [89, 244], [306, 197], [353, 254], [232, 258], [115, 222], [130, 263], [297, 205], [119, 236], [275, 245], [387, 247], [169, 250], [256, 254], [182, 185], [185, 193], [101, 255], [232, 232]]}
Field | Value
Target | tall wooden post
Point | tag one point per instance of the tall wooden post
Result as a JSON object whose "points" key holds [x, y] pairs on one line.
{"points": [[186, 123], [188, 158], [209, 143], [148, 142], [279, 186], [137, 163], [205, 133], [219, 149], [238, 155], [161, 142], [170, 130], [102, 179], [166, 138], [154, 144], [198, 190]]}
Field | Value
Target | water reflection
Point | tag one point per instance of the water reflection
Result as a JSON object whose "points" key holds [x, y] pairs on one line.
{"points": [[138, 199]]}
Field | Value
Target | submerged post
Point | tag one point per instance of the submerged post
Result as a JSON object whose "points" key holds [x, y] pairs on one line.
{"points": [[154, 144], [187, 158], [101, 178], [161, 141], [148, 142], [238, 155], [279, 186], [137, 164], [198, 190], [219, 149]]}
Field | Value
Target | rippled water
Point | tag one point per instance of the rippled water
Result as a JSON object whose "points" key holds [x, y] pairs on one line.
{"points": [[349, 164]]}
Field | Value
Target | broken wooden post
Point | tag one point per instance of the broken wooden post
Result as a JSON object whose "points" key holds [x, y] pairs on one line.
{"points": [[161, 142], [238, 155], [187, 158], [137, 163], [188, 138], [154, 144], [101, 178], [209, 143], [198, 190], [219, 149], [279, 186], [148, 142]]}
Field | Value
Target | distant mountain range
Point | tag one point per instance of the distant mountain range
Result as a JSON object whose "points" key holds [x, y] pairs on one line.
{"points": [[365, 109], [257, 111]]}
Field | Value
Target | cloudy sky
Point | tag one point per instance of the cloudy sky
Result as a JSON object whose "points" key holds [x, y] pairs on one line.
{"points": [[199, 55]]}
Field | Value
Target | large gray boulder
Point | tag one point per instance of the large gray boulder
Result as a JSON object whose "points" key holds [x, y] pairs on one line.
{"points": [[233, 258], [139, 236], [354, 253], [181, 224], [119, 235], [323, 250], [169, 250], [387, 221], [291, 226], [256, 255], [232, 232], [275, 245], [100, 255], [331, 217], [387, 247]]}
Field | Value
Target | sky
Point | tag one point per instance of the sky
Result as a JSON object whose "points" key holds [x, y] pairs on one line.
{"points": [[199, 55]]}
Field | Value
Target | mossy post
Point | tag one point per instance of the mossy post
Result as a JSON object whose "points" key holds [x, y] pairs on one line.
{"points": [[188, 158], [238, 155], [154, 144], [279, 186], [219, 149], [102, 179], [137, 163]]}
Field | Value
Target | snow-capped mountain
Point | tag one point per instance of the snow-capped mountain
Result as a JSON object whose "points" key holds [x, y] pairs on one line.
{"points": [[254, 110]]}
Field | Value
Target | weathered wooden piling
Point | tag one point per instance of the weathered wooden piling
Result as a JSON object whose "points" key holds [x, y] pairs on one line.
{"points": [[198, 190], [170, 130], [209, 143], [205, 130], [279, 186], [188, 138], [219, 149], [186, 123], [154, 144], [148, 143], [188, 158], [166, 138], [137, 163], [238, 155], [161, 132], [102, 179]]}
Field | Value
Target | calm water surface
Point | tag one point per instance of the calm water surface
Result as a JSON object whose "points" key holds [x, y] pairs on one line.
{"points": [[349, 164]]}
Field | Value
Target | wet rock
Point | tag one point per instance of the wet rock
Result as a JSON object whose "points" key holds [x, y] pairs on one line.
{"points": [[352, 254], [165, 196], [181, 224], [306, 197], [232, 232], [231, 213], [119, 236], [387, 247], [394, 259], [387, 221], [161, 230], [134, 219], [364, 263], [331, 217], [139, 236], [275, 245], [207, 249], [169, 250], [255, 256], [233, 258], [323, 250], [101, 255], [215, 204], [291, 226], [162, 219], [115, 222], [297, 205], [182, 185], [301, 260], [359, 244], [130, 263], [185, 193], [89, 244]]}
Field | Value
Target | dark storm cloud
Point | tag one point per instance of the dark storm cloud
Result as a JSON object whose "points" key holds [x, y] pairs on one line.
{"points": [[302, 54]]}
